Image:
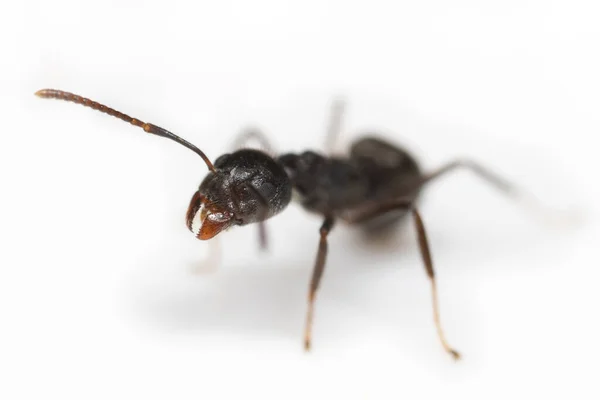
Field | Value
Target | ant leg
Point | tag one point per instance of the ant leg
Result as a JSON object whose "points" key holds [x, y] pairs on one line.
{"points": [[250, 134], [484, 173], [541, 212], [426, 255], [406, 204], [334, 127], [316, 278], [240, 142], [262, 227]]}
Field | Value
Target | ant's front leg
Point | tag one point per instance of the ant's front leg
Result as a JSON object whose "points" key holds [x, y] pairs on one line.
{"points": [[241, 141], [316, 278], [253, 134], [262, 226]]}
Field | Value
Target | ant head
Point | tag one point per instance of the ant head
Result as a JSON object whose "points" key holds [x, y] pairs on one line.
{"points": [[246, 186], [241, 188]]}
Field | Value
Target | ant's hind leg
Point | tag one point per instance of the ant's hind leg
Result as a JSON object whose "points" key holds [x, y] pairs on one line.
{"points": [[526, 199], [407, 204], [316, 279], [495, 180], [428, 262]]}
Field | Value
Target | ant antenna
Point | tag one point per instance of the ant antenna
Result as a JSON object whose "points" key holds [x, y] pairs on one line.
{"points": [[147, 127]]}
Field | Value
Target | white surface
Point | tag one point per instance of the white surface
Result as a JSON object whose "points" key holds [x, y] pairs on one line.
{"points": [[98, 294]]}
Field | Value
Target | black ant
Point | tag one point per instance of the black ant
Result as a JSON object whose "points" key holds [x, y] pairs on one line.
{"points": [[377, 183]]}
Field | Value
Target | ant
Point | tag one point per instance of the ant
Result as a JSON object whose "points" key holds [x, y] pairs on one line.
{"points": [[375, 185]]}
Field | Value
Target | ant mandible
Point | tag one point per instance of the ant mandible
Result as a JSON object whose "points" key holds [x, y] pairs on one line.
{"points": [[249, 186]]}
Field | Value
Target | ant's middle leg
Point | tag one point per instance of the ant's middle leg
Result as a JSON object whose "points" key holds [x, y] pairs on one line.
{"points": [[334, 125]]}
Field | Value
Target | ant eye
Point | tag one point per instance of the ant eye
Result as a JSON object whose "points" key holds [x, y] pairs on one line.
{"points": [[219, 162], [243, 192]]}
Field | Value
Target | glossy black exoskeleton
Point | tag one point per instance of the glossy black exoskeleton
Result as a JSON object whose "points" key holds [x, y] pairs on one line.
{"points": [[377, 183]]}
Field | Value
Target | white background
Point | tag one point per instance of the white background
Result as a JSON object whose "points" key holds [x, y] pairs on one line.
{"points": [[103, 292]]}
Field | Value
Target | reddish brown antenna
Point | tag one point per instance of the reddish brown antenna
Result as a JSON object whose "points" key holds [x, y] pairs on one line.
{"points": [[147, 127]]}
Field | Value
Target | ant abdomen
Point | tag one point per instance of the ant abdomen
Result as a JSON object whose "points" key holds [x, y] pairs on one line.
{"points": [[393, 174], [393, 171], [382, 155]]}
